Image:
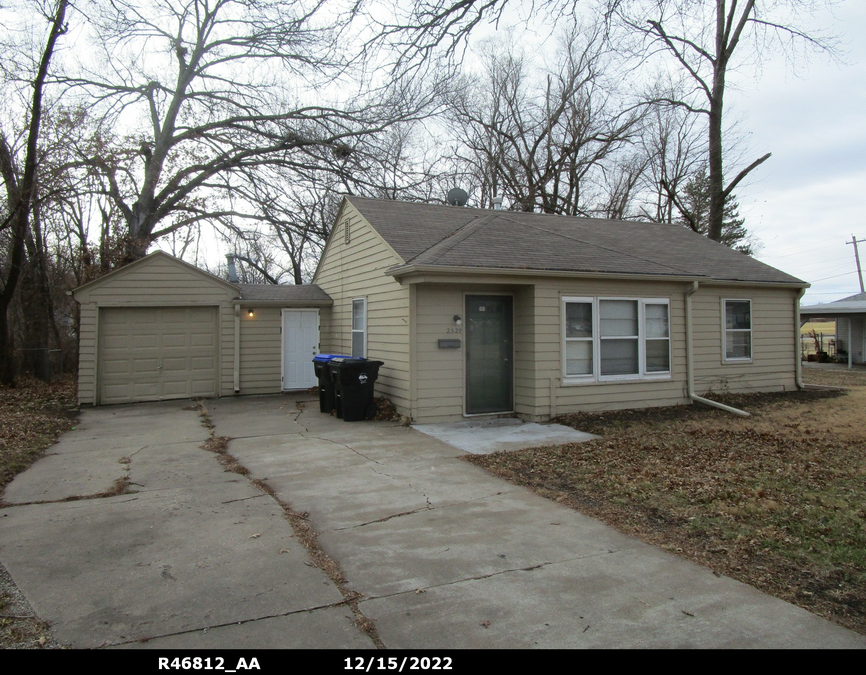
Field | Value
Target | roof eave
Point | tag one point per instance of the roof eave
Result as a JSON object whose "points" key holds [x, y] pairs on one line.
{"points": [[288, 304], [407, 271]]}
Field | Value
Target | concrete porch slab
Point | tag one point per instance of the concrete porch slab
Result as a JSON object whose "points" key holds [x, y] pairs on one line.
{"points": [[484, 437]]}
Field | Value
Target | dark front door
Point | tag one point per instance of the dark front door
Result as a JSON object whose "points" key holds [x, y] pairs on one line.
{"points": [[488, 354]]}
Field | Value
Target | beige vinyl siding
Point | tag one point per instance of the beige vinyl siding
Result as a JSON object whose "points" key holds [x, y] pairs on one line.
{"points": [[440, 371], [773, 352], [158, 281], [227, 348], [525, 344], [87, 343], [440, 382], [571, 397], [356, 270], [261, 355]]}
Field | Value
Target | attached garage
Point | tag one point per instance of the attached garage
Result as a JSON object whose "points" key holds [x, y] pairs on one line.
{"points": [[162, 329]]}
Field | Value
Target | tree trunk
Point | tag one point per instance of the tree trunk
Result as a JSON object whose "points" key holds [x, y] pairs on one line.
{"points": [[716, 168], [25, 189]]}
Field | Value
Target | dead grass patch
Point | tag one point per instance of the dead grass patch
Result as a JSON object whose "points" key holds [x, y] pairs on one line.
{"points": [[777, 500], [832, 377]]}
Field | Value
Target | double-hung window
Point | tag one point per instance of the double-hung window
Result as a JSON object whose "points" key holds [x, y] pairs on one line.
{"points": [[738, 330], [616, 338], [359, 328]]}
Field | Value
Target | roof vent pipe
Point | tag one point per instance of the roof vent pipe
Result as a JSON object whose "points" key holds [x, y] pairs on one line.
{"points": [[233, 273], [497, 203]]}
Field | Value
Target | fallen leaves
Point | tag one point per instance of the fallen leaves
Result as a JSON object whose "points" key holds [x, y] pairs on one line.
{"points": [[32, 416]]}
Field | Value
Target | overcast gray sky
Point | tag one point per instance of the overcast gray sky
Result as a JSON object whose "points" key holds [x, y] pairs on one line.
{"points": [[807, 200]]}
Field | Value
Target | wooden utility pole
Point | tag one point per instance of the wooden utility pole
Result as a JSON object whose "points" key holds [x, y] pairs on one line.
{"points": [[856, 241]]}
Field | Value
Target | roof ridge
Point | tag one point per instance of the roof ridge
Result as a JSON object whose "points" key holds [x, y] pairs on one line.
{"points": [[444, 245], [607, 248]]}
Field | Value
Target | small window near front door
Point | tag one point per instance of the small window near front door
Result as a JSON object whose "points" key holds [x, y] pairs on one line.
{"points": [[359, 328]]}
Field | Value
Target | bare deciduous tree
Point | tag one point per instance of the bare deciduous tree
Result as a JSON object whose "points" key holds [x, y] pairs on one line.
{"points": [[21, 186], [705, 38], [213, 89], [543, 147]]}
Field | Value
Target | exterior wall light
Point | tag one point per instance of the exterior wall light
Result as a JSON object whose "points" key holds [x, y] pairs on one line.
{"points": [[457, 319], [250, 312]]}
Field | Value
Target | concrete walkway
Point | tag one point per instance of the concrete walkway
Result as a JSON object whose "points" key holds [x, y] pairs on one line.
{"points": [[445, 555]]}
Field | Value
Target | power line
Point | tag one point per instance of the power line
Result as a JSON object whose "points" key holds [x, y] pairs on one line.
{"points": [[835, 276], [806, 249]]}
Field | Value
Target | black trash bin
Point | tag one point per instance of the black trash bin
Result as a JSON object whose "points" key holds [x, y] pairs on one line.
{"points": [[353, 385], [327, 397]]}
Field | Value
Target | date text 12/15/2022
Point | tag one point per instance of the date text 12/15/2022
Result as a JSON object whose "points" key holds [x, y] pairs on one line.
{"points": [[399, 664]]}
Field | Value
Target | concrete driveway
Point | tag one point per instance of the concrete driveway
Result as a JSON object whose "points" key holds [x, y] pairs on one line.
{"points": [[444, 555]]}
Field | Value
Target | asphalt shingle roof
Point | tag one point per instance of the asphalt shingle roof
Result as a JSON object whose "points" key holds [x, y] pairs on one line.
{"points": [[307, 293], [435, 235]]}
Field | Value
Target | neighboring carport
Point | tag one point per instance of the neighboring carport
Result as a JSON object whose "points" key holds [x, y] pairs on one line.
{"points": [[850, 316]]}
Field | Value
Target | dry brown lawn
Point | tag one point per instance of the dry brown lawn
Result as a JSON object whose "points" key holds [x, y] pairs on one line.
{"points": [[777, 500]]}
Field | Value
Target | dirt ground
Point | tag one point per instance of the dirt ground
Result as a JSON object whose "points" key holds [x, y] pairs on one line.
{"points": [[776, 500]]}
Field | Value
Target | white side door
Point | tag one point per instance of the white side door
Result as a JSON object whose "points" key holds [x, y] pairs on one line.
{"points": [[300, 345]]}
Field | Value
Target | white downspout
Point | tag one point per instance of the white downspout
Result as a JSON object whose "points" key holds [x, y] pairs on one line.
{"points": [[798, 342], [690, 375], [237, 363]]}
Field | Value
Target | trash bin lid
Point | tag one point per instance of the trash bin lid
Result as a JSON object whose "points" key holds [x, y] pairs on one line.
{"points": [[325, 358]]}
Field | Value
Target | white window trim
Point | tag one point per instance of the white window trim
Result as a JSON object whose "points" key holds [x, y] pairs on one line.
{"points": [[724, 322], [596, 375], [352, 324]]}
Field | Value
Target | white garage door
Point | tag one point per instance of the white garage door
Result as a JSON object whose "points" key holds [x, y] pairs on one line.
{"points": [[156, 353]]}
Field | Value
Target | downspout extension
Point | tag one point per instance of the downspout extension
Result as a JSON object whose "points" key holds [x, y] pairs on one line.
{"points": [[690, 375], [237, 360]]}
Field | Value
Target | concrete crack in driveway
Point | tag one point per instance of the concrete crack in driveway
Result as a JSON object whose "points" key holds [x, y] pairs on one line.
{"points": [[120, 487], [243, 499], [301, 526], [348, 447], [480, 577], [386, 518], [229, 623], [430, 506]]}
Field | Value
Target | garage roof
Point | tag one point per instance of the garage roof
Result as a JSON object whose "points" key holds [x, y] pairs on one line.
{"points": [[308, 294]]}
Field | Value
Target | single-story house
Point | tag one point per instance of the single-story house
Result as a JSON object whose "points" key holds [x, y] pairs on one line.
{"points": [[850, 316], [472, 311]]}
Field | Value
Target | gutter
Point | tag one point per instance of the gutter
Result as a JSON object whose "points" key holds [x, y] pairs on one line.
{"points": [[690, 375], [410, 269], [400, 271]]}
